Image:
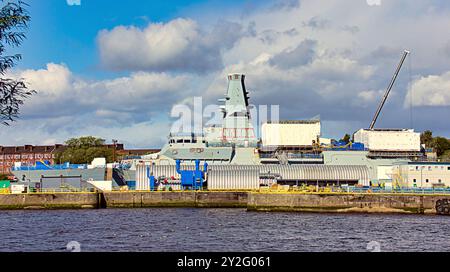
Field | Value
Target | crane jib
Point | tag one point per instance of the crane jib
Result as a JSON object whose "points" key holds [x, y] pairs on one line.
{"points": [[386, 95]]}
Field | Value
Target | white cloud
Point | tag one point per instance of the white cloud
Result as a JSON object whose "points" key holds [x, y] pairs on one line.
{"points": [[176, 45], [73, 2], [373, 2], [353, 55], [433, 90], [60, 93], [369, 96], [133, 135], [134, 107]]}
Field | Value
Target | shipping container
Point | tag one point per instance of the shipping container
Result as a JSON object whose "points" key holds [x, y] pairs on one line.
{"points": [[389, 140]]}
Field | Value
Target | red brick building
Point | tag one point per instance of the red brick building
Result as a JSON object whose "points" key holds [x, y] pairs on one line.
{"points": [[29, 154]]}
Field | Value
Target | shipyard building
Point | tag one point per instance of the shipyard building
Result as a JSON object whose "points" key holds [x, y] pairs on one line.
{"points": [[421, 174]]}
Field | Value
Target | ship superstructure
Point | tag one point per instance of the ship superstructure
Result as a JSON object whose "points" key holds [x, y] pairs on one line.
{"points": [[232, 142]]}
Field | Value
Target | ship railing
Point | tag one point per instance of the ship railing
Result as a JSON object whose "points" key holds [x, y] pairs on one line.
{"points": [[292, 156]]}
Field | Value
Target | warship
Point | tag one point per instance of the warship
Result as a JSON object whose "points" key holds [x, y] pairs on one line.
{"points": [[232, 142]]}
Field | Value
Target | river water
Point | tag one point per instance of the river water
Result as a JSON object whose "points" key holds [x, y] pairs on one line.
{"points": [[209, 230]]}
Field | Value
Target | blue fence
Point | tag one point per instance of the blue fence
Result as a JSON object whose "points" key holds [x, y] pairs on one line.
{"points": [[45, 165]]}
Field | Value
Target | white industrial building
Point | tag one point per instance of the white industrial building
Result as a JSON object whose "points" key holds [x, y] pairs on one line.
{"points": [[392, 140], [291, 133], [422, 174]]}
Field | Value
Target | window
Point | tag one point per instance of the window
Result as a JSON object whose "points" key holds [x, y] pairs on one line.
{"points": [[415, 180], [427, 180], [440, 181]]}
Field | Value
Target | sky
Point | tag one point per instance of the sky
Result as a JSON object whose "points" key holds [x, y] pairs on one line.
{"points": [[116, 69]]}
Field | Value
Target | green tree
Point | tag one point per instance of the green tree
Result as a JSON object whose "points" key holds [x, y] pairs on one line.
{"points": [[346, 138], [14, 20], [426, 138], [83, 150], [441, 145], [446, 156]]}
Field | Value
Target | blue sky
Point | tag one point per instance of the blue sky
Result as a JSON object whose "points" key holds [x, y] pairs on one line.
{"points": [[63, 33], [116, 69]]}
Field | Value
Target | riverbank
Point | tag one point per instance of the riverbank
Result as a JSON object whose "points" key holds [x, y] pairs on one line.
{"points": [[252, 201]]}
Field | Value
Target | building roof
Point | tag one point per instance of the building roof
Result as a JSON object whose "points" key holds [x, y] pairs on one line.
{"points": [[428, 163], [43, 148], [293, 122], [389, 129], [31, 149]]}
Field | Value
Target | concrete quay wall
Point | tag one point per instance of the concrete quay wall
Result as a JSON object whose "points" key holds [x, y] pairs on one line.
{"points": [[253, 201], [363, 203], [50, 201], [176, 199]]}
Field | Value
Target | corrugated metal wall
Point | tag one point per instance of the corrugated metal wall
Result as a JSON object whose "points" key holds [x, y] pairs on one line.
{"points": [[142, 181], [246, 177], [233, 180], [169, 171]]}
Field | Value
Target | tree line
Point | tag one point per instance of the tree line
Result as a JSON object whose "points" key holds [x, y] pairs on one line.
{"points": [[440, 145], [84, 150]]}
